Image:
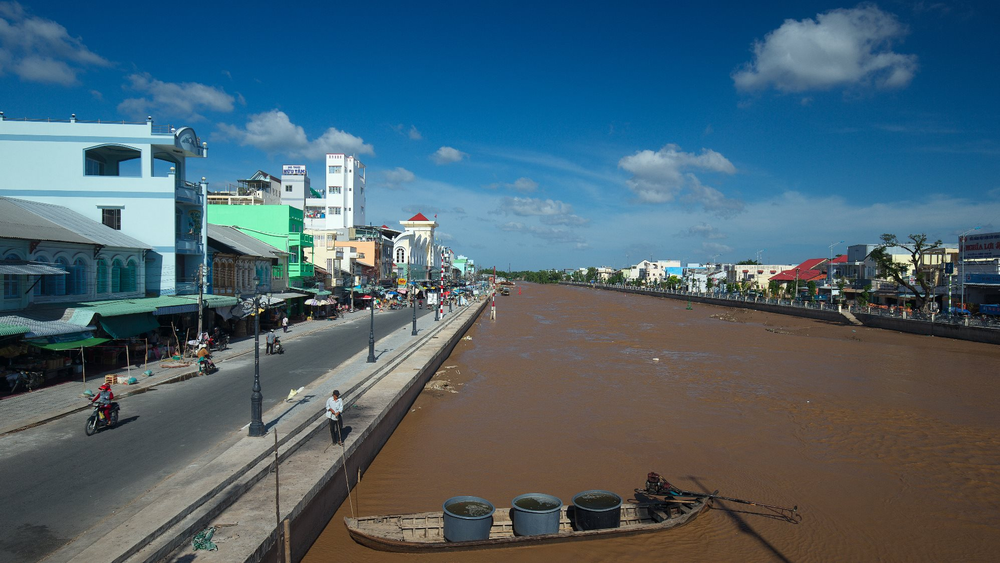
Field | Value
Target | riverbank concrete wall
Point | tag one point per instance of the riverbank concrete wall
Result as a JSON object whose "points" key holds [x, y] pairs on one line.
{"points": [[910, 326]]}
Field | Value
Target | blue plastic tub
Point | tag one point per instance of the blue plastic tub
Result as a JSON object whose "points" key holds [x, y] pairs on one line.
{"points": [[596, 510], [467, 518], [535, 514]]}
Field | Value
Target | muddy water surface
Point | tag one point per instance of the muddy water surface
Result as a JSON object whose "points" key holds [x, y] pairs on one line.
{"points": [[888, 443]]}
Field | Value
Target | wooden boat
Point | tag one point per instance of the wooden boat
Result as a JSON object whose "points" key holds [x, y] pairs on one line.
{"points": [[425, 531]]}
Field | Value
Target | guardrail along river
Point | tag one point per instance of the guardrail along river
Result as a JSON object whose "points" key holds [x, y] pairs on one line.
{"points": [[888, 443]]}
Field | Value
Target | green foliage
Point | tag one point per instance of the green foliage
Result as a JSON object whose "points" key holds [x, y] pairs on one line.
{"points": [[865, 297], [748, 262], [591, 275], [617, 277], [811, 287]]}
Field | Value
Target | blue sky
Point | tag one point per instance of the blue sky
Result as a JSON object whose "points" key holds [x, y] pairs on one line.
{"points": [[563, 134]]}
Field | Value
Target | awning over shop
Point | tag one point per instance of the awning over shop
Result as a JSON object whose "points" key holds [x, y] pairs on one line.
{"points": [[129, 325], [289, 295], [40, 327], [71, 345]]}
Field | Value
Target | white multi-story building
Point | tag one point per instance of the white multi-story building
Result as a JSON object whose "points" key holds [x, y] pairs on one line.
{"points": [[342, 203], [296, 188], [128, 176], [653, 271]]}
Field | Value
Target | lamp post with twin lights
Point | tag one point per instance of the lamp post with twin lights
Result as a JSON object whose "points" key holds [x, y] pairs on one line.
{"points": [[257, 428]]}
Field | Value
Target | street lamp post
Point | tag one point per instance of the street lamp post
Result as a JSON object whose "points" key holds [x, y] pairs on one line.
{"points": [[413, 298], [371, 331], [257, 428], [961, 261], [795, 297]]}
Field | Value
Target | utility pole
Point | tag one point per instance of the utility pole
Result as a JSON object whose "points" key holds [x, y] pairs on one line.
{"points": [[201, 299]]}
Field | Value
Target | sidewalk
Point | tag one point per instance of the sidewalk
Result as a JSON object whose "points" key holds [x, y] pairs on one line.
{"points": [[26, 410]]}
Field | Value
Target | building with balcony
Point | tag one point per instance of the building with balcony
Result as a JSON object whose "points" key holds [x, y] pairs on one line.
{"points": [[280, 226], [260, 189], [124, 175]]}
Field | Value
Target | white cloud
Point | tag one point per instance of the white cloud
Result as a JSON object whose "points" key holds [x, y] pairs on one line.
{"points": [[447, 155], [41, 50], [274, 133], [528, 206], [414, 134], [178, 100], [393, 179], [659, 177], [843, 47], [523, 185]]}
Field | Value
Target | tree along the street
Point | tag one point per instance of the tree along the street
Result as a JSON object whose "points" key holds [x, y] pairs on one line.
{"points": [[917, 246]]}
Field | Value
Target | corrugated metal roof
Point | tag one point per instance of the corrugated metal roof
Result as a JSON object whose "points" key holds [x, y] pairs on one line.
{"points": [[20, 218], [25, 268], [241, 242], [11, 330], [37, 328]]}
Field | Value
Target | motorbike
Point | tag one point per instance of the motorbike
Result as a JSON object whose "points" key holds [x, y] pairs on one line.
{"points": [[220, 343], [278, 348], [206, 366], [97, 421]]}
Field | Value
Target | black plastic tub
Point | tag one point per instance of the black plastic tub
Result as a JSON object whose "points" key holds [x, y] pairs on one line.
{"points": [[596, 510], [467, 518], [535, 514]]}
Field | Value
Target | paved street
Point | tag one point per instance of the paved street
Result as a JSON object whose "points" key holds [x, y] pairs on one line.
{"points": [[58, 482]]}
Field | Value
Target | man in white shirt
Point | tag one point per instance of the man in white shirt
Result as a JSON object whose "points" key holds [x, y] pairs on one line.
{"points": [[335, 412]]}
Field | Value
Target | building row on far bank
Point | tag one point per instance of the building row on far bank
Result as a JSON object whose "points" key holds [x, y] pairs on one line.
{"points": [[963, 277], [109, 254]]}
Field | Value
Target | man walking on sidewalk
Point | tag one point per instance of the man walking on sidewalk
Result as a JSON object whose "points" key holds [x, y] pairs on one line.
{"points": [[270, 343], [284, 323], [335, 412]]}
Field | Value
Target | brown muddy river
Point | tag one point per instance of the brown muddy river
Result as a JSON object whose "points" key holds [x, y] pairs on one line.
{"points": [[888, 443]]}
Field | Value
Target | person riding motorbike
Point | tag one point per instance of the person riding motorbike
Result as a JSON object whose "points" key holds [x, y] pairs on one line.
{"points": [[205, 359], [277, 348], [103, 399]]}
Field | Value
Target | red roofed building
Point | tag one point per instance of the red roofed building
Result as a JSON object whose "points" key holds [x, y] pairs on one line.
{"points": [[413, 251]]}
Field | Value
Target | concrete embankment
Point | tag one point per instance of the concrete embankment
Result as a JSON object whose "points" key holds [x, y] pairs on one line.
{"points": [[234, 490], [910, 326]]}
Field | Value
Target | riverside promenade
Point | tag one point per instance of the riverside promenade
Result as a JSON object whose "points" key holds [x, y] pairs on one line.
{"points": [[823, 312], [234, 489]]}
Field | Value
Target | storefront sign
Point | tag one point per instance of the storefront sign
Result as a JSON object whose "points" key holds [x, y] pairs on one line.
{"points": [[987, 279], [293, 170], [986, 245]]}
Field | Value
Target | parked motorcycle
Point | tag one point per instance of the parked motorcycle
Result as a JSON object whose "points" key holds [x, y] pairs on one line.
{"points": [[220, 343], [97, 421]]}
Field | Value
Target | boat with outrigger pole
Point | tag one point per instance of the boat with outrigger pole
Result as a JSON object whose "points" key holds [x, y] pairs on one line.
{"points": [[537, 518]]}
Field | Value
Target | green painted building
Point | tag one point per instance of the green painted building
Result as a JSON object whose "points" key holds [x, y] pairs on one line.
{"points": [[281, 226]]}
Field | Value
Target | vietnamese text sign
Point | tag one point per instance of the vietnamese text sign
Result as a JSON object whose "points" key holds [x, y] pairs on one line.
{"points": [[986, 245], [293, 170]]}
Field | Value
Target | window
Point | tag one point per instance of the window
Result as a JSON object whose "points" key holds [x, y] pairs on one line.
{"points": [[335, 211], [400, 255], [335, 169], [334, 189], [112, 218], [129, 277], [76, 281], [11, 283], [116, 276], [94, 168], [102, 276], [288, 187]]}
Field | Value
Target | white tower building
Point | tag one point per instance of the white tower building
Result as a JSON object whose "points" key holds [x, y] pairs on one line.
{"points": [[343, 204], [295, 186]]}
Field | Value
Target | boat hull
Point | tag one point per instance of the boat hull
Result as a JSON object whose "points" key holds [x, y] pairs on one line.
{"points": [[424, 531]]}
